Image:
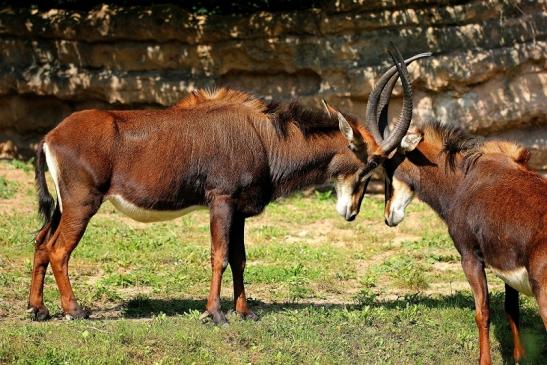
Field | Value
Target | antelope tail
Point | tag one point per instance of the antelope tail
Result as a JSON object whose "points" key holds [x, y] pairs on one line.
{"points": [[46, 204]]}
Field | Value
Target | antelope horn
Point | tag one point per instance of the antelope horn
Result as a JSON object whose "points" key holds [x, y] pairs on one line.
{"points": [[401, 127], [372, 105], [383, 105]]}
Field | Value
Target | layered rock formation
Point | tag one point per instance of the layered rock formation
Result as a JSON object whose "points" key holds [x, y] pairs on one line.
{"points": [[488, 72]]}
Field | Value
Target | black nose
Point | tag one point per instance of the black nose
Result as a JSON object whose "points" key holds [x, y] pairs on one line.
{"points": [[386, 222], [351, 217]]}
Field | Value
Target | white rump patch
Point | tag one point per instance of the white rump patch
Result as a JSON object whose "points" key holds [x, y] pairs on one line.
{"points": [[517, 279], [147, 215], [53, 167]]}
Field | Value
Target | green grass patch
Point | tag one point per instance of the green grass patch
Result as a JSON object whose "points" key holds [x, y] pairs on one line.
{"points": [[8, 188], [26, 166], [327, 291]]}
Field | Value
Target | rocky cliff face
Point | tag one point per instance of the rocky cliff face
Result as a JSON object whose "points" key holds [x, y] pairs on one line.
{"points": [[488, 73]]}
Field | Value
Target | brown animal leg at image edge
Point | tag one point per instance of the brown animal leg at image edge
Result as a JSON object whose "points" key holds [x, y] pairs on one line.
{"points": [[474, 271]]}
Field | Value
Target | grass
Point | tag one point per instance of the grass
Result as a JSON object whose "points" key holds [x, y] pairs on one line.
{"points": [[327, 291], [8, 188]]}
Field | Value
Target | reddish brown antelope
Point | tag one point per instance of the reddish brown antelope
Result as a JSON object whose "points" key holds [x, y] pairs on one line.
{"points": [[495, 209], [494, 206], [224, 150]]}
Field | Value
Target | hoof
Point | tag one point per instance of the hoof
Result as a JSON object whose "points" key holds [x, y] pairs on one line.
{"points": [[249, 316], [77, 314], [217, 317], [38, 314]]}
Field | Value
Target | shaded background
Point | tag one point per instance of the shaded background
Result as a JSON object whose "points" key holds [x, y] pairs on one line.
{"points": [[488, 73]]}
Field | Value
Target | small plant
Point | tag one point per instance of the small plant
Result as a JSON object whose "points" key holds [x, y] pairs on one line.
{"points": [[406, 272], [412, 277], [323, 195], [270, 232], [367, 295], [26, 166], [433, 240], [105, 293], [7, 188], [344, 274], [443, 258], [298, 288], [369, 280], [298, 283]]}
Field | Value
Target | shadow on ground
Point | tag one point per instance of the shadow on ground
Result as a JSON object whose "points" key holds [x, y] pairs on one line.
{"points": [[531, 324]]}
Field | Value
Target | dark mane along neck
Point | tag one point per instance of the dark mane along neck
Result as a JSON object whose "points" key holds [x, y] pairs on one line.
{"points": [[447, 156], [453, 142], [456, 144], [308, 121], [301, 147]]}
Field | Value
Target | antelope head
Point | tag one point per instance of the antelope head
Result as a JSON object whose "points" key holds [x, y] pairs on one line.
{"points": [[393, 145], [367, 143], [352, 178]]}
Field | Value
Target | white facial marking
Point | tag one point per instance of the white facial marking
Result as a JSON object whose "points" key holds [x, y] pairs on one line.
{"points": [[402, 196], [343, 196], [147, 215], [517, 279], [53, 167]]}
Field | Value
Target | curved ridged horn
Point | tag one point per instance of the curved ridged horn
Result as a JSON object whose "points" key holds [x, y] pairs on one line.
{"points": [[401, 127], [372, 105], [383, 105]]}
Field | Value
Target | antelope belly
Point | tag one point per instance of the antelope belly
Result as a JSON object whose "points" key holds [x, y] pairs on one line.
{"points": [[517, 279], [147, 215]]}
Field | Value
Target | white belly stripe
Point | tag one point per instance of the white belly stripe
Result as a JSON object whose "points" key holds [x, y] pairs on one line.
{"points": [[517, 279], [146, 215]]}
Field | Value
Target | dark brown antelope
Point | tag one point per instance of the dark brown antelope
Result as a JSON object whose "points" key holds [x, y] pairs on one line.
{"points": [[224, 150], [494, 206]]}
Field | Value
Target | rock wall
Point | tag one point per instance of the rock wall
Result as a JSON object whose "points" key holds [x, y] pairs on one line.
{"points": [[488, 73]]}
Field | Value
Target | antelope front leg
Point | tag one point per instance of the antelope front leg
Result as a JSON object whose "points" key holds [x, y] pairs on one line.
{"points": [[474, 271], [237, 261], [221, 220]]}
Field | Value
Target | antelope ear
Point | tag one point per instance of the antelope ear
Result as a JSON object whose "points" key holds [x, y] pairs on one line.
{"points": [[354, 138], [345, 128], [356, 142], [329, 109], [411, 140]]}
